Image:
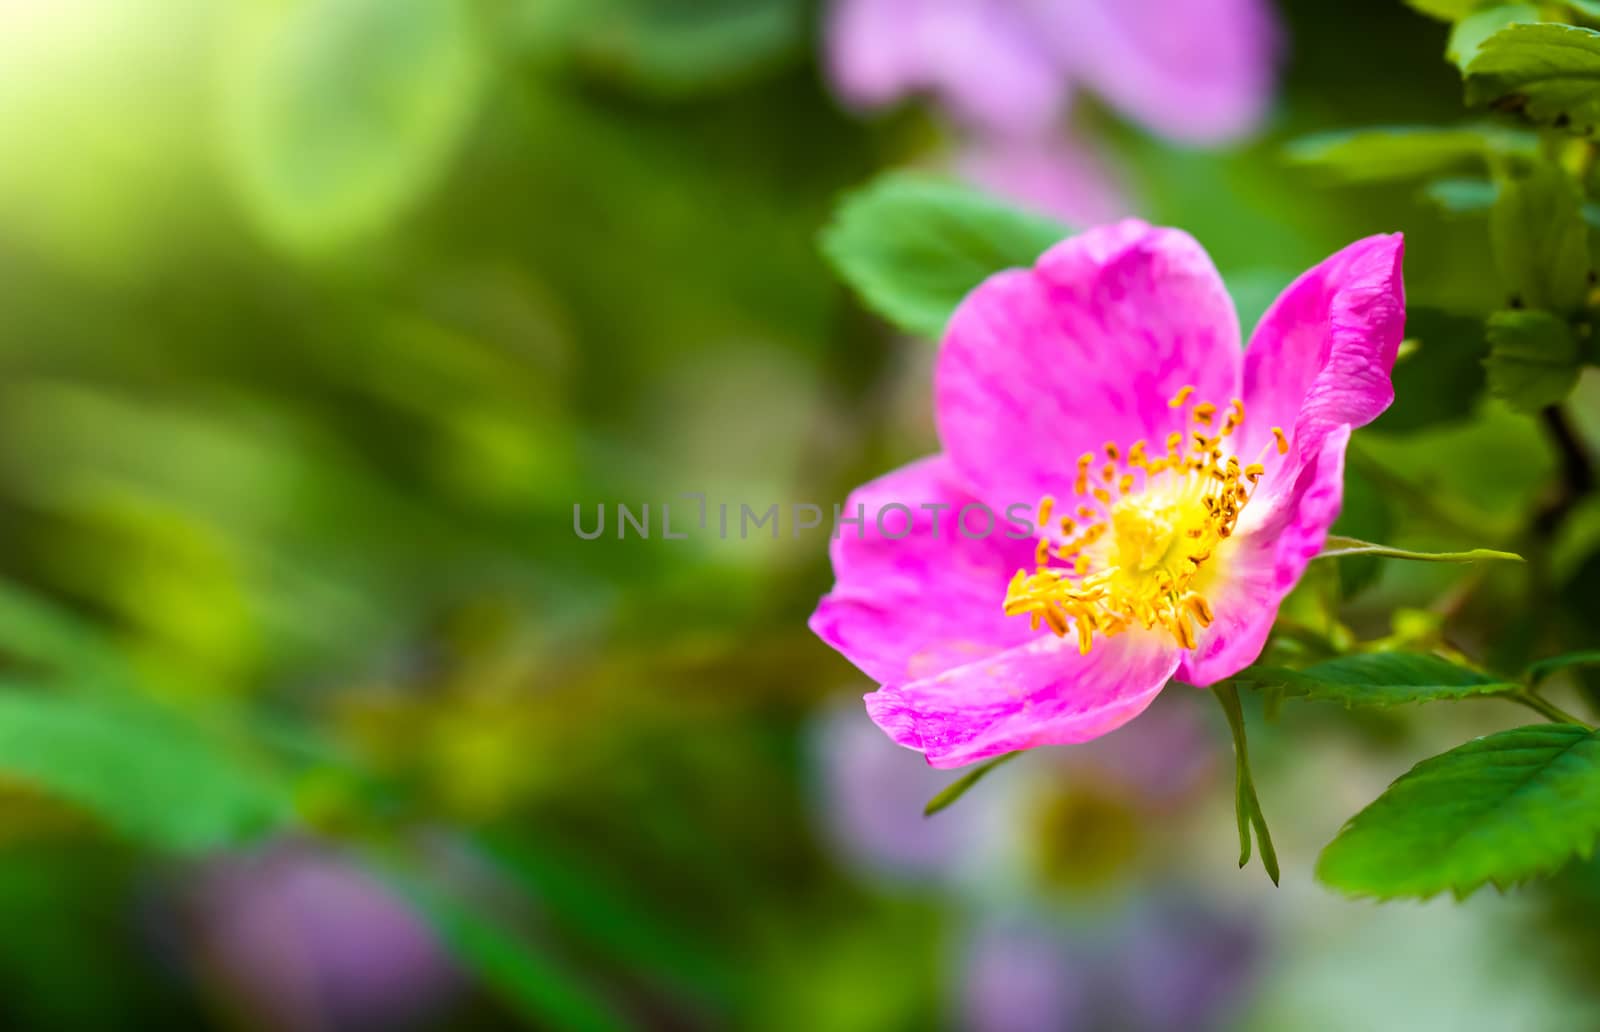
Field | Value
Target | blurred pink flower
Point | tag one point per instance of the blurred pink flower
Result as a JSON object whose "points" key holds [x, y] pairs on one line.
{"points": [[1195, 484], [1196, 71], [309, 942]]}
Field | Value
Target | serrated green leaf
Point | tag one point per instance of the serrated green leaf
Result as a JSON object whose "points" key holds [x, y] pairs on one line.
{"points": [[1545, 667], [144, 773], [1540, 239], [1336, 546], [913, 247], [1380, 679], [1548, 72], [1499, 809], [340, 114], [1392, 152], [958, 788], [1469, 34], [1533, 359]]}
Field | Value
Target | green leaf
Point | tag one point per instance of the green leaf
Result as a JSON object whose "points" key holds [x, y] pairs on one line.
{"points": [[340, 114], [1467, 38], [1446, 10], [1499, 809], [1379, 679], [1335, 547], [1461, 195], [958, 788], [912, 247], [1540, 239], [1392, 152], [141, 771], [1246, 806], [1545, 667], [1550, 73], [1533, 359]]}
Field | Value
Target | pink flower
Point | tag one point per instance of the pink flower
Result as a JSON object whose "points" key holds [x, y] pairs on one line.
{"points": [[1199, 71], [1154, 491]]}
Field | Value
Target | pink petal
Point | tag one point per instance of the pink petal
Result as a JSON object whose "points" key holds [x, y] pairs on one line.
{"points": [[985, 62], [910, 606], [1040, 365], [1043, 693], [1263, 563], [1200, 71], [1062, 177], [1322, 354]]}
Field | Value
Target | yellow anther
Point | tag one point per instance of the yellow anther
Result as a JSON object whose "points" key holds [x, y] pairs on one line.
{"points": [[1204, 411], [1046, 504], [1282, 439], [1112, 451], [1181, 397]]}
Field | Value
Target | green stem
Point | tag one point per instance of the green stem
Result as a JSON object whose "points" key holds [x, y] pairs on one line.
{"points": [[1546, 708]]}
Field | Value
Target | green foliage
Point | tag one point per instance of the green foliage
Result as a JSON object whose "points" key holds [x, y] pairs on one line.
{"points": [[1440, 381], [1549, 73], [530, 982], [1469, 34], [1461, 195], [1337, 546], [144, 773], [340, 114], [1246, 806], [1395, 152], [1533, 359], [1380, 679], [1499, 809], [1566, 661], [1540, 240], [1447, 10], [912, 247], [958, 788], [674, 49]]}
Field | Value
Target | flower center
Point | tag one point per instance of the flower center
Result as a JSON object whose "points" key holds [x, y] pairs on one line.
{"points": [[1140, 546]]}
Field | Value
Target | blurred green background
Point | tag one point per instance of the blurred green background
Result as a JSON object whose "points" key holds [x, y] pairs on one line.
{"points": [[318, 317]]}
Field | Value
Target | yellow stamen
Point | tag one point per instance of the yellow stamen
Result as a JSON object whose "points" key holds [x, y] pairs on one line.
{"points": [[1181, 397], [1144, 558]]}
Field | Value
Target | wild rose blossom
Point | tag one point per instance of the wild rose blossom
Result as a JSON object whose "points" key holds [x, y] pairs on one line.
{"points": [[1198, 71], [1179, 486]]}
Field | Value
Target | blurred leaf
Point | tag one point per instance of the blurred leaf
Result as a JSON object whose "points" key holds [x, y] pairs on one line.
{"points": [[535, 986], [1337, 546], [912, 247], [958, 788], [1499, 809], [607, 913], [1460, 195], [1545, 667], [1541, 242], [1442, 380], [1446, 10], [1466, 39], [1548, 72], [1379, 679], [1247, 808], [686, 47], [1533, 359], [340, 114], [1396, 152], [143, 772]]}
